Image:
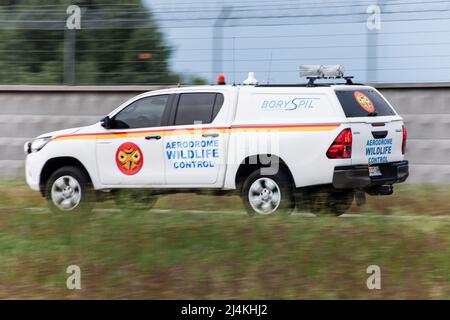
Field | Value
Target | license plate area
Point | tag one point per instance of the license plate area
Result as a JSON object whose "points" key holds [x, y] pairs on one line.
{"points": [[374, 171]]}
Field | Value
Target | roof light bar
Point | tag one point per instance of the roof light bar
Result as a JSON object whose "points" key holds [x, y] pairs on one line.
{"points": [[333, 71], [322, 71]]}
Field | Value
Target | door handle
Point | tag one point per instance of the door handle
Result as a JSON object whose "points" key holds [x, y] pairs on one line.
{"points": [[210, 135], [380, 134], [152, 137]]}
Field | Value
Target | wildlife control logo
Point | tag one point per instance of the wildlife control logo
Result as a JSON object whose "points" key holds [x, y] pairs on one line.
{"points": [[129, 158], [364, 101]]}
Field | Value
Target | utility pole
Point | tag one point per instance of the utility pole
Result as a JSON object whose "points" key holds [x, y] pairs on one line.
{"points": [[372, 44], [69, 56], [217, 45], [73, 23]]}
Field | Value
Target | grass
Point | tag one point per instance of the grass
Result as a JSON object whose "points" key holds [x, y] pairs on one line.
{"points": [[177, 254]]}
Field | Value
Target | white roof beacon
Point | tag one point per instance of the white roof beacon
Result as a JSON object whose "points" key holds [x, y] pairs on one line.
{"points": [[251, 80]]}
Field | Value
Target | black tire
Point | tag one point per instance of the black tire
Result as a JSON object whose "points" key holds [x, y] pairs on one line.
{"points": [[135, 200], [330, 201], [286, 204], [86, 192]]}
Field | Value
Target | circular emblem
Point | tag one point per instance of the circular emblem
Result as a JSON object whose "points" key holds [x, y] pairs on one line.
{"points": [[364, 101], [129, 158]]}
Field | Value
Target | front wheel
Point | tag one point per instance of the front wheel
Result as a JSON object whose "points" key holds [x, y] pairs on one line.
{"points": [[268, 194], [69, 190]]}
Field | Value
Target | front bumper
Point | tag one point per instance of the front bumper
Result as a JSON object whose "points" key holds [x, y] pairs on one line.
{"points": [[33, 167], [357, 176]]}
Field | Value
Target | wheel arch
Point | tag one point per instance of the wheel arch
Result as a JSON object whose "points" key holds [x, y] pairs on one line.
{"points": [[54, 164], [258, 161]]}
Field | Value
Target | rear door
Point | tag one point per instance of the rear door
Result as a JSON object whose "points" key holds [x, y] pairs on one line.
{"points": [[377, 129], [195, 145]]}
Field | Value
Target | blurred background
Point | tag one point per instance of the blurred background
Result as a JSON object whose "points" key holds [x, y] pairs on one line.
{"points": [[171, 41], [58, 71]]}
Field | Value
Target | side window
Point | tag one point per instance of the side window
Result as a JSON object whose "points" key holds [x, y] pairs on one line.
{"points": [[217, 105], [198, 107], [363, 103], [143, 113]]}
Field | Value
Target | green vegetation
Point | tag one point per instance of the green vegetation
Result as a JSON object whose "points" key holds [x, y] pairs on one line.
{"points": [[127, 49], [180, 254]]}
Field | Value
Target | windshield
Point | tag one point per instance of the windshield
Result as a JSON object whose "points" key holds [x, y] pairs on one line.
{"points": [[363, 103]]}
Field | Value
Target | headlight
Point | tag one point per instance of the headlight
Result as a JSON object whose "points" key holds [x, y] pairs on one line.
{"points": [[36, 144]]}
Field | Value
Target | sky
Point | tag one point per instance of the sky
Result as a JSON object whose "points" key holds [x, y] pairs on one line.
{"points": [[272, 38]]}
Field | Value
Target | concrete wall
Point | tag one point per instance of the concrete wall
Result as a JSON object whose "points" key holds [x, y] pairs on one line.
{"points": [[26, 112], [426, 111]]}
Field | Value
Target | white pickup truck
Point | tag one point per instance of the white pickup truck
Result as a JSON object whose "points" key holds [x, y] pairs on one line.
{"points": [[277, 146]]}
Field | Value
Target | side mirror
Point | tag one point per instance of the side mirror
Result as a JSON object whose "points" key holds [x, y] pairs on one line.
{"points": [[106, 122]]}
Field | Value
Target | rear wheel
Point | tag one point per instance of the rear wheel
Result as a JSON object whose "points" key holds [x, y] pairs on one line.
{"points": [[268, 194], [69, 190]]}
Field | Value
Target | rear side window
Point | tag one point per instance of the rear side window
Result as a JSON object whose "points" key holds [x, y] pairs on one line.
{"points": [[198, 107], [363, 103]]}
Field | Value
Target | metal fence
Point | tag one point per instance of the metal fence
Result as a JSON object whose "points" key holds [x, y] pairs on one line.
{"points": [[211, 37]]}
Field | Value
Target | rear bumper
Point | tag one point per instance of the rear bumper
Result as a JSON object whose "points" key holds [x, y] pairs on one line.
{"points": [[357, 176]]}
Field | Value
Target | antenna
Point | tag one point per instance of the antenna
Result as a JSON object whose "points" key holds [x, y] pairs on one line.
{"points": [[270, 67], [234, 63]]}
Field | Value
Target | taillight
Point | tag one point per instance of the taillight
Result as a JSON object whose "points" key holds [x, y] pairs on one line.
{"points": [[341, 148], [405, 136]]}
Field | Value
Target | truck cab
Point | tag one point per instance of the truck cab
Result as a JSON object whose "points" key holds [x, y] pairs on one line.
{"points": [[267, 143]]}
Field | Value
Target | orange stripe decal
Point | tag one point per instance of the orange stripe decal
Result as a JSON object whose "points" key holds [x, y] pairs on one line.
{"points": [[237, 128]]}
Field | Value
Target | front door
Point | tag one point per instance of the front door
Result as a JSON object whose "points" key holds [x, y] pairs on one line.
{"points": [[131, 153]]}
